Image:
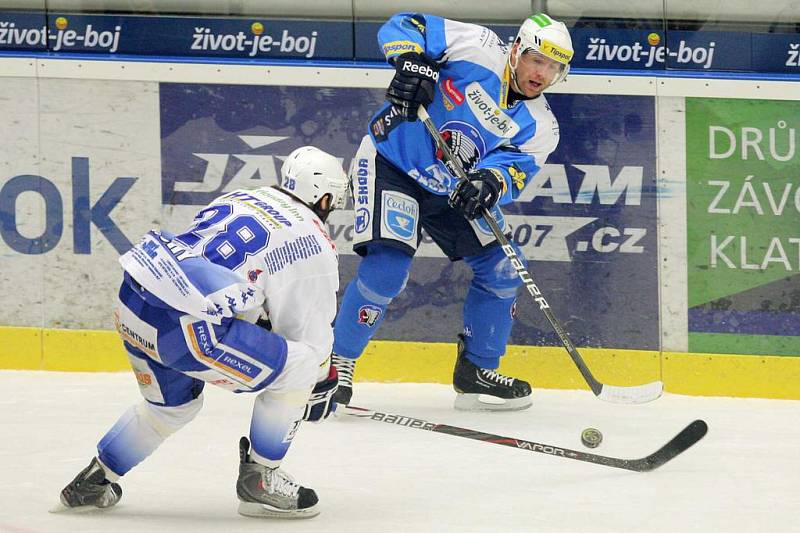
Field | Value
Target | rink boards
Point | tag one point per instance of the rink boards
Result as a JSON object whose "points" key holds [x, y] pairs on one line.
{"points": [[663, 230]]}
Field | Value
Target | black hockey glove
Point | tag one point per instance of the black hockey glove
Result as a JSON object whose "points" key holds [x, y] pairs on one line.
{"points": [[321, 403], [481, 190], [413, 84]]}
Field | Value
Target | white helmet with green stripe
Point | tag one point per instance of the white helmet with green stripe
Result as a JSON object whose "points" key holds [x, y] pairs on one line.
{"points": [[542, 34]]}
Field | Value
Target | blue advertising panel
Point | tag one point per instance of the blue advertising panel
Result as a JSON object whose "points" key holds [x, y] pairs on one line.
{"points": [[708, 50], [592, 235], [587, 222], [217, 138], [655, 49], [23, 31], [365, 37], [650, 48], [776, 52], [254, 38], [246, 38]]}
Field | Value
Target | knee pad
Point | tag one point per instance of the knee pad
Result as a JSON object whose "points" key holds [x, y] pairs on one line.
{"points": [[383, 272], [167, 420], [494, 273], [300, 372]]}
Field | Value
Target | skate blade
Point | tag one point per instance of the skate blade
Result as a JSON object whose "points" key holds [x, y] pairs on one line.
{"points": [[340, 414], [261, 510], [60, 508], [484, 402]]}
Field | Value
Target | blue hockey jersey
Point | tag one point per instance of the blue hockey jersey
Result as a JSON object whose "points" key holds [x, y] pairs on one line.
{"points": [[470, 108]]}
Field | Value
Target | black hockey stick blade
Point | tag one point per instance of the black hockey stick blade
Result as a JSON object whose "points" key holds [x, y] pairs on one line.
{"points": [[610, 393], [681, 442], [684, 440]]}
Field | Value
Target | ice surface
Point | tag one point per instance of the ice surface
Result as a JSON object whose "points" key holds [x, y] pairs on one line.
{"points": [[744, 476]]}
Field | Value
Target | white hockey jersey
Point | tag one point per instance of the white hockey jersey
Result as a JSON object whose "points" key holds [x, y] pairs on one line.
{"points": [[278, 263]]}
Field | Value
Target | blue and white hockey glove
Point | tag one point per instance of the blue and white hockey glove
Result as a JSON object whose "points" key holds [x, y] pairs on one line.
{"points": [[320, 405], [481, 190], [413, 84]]}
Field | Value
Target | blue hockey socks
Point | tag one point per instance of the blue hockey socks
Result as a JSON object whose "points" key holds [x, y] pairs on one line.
{"points": [[489, 306], [381, 276]]}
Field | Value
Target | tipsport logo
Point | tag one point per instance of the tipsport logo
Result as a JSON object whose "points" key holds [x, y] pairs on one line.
{"points": [[650, 53], [396, 48], [255, 43], [61, 37]]}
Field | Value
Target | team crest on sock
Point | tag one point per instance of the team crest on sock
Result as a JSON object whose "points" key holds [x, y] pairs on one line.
{"points": [[368, 315]]}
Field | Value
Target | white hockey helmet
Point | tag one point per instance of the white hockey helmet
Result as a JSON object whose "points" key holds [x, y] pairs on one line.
{"points": [[308, 174], [542, 34]]}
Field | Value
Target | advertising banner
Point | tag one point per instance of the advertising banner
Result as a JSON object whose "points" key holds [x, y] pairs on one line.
{"points": [[649, 48], [598, 44], [592, 218], [23, 31], [743, 206], [78, 185], [587, 222], [655, 49], [247, 38], [777, 52]]}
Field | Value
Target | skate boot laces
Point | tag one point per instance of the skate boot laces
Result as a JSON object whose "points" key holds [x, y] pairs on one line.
{"points": [[345, 368], [491, 375], [275, 481]]}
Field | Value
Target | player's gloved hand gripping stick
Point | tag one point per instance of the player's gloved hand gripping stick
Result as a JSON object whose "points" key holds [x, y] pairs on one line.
{"points": [[617, 394], [321, 404]]}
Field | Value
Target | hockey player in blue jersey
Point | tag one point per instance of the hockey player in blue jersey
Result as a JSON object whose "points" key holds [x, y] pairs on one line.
{"points": [[486, 99], [244, 300]]}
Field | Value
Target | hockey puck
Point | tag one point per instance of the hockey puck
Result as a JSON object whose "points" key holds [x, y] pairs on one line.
{"points": [[591, 437]]}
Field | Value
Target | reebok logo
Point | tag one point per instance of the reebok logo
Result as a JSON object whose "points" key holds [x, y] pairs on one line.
{"points": [[424, 70]]}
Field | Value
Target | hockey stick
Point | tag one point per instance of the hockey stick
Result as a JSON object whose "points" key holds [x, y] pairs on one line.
{"points": [[634, 394], [677, 445]]}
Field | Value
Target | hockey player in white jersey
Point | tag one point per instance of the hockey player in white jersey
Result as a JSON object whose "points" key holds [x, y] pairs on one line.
{"points": [[243, 299], [486, 100]]}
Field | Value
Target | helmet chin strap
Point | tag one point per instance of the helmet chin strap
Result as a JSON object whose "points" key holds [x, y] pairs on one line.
{"points": [[320, 211], [512, 67]]}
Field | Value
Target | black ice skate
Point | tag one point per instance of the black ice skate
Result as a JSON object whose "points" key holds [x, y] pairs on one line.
{"points": [[270, 492], [89, 491], [345, 367], [481, 389]]}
